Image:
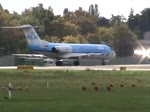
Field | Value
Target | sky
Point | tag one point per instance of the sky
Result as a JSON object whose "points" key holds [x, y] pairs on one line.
{"points": [[106, 7]]}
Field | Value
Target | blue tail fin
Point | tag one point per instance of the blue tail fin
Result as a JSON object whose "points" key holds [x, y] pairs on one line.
{"points": [[31, 35]]}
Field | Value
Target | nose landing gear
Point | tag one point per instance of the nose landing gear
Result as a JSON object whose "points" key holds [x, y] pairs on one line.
{"points": [[103, 62]]}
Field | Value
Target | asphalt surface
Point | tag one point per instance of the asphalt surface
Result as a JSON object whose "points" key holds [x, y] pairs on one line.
{"points": [[141, 67]]}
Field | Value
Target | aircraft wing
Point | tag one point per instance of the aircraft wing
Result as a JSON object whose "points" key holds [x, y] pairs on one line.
{"points": [[77, 56], [83, 55]]}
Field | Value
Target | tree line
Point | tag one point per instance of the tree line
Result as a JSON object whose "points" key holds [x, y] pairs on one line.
{"points": [[74, 27]]}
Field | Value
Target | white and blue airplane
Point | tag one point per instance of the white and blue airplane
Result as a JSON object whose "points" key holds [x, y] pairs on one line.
{"points": [[61, 51]]}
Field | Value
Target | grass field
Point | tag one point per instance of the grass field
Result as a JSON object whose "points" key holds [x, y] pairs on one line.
{"points": [[64, 93]]}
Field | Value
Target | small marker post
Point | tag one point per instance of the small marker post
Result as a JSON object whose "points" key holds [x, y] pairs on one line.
{"points": [[9, 90], [47, 84]]}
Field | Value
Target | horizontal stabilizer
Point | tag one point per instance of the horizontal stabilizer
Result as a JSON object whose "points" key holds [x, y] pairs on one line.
{"points": [[31, 35], [30, 55], [21, 27]]}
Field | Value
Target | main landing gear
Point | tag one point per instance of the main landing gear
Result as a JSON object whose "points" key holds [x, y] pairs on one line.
{"points": [[67, 63], [59, 63], [76, 63]]}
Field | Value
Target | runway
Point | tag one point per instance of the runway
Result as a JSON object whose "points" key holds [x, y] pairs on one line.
{"points": [[141, 67]]}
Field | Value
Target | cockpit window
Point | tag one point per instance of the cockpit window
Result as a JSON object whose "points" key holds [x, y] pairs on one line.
{"points": [[101, 47]]}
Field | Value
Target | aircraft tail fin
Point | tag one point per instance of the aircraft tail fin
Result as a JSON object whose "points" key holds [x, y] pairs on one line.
{"points": [[30, 33]]}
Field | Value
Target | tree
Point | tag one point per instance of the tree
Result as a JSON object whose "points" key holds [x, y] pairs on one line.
{"points": [[123, 40], [140, 22], [61, 29], [103, 22], [131, 20], [86, 26], [12, 41], [145, 17], [116, 20], [65, 11], [85, 21], [1, 8], [93, 10], [39, 16], [106, 35], [93, 38], [70, 39], [134, 23]]}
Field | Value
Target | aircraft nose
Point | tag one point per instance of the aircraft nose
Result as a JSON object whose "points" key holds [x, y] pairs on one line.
{"points": [[112, 54]]}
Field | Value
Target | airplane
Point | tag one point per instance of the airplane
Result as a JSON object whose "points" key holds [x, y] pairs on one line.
{"points": [[61, 51]]}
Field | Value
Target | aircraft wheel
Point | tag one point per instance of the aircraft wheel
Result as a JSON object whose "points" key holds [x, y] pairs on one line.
{"points": [[103, 62], [59, 63], [76, 63]]}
